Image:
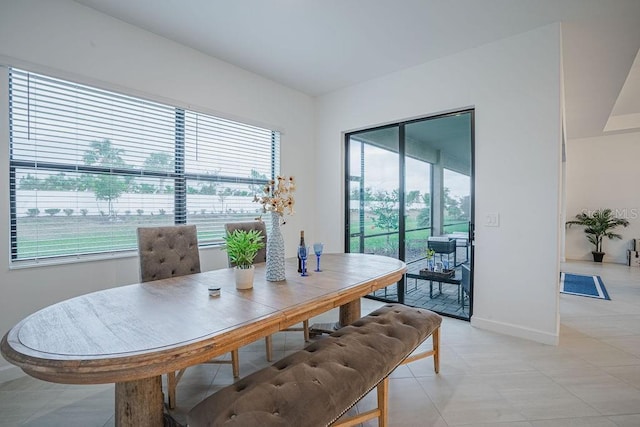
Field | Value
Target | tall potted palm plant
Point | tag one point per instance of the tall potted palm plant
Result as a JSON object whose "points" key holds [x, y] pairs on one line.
{"points": [[598, 225]]}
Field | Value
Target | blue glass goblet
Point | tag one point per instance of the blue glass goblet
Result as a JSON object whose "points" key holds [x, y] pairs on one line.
{"points": [[317, 248], [302, 252]]}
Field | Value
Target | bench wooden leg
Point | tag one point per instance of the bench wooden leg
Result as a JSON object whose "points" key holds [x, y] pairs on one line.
{"points": [[383, 400], [435, 337], [381, 412]]}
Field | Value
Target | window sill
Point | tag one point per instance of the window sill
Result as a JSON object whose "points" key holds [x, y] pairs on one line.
{"points": [[72, 259]]}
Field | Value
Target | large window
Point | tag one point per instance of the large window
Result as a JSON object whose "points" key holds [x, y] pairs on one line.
{"points": [[88, 166]]}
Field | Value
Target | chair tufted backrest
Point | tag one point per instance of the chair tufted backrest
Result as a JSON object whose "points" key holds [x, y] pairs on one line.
{"points": [[168, 252], [230, 227]]}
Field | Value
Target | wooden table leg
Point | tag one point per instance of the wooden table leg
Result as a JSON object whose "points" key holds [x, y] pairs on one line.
{"points": [[349, 313], [139, 403]]}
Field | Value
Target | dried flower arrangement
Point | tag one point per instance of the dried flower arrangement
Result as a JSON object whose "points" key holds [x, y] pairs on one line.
{"points": [[278, 196]]}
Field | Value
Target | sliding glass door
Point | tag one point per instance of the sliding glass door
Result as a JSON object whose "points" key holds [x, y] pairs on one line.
{"points": [[409, 190], [417, 203], [373, 192]]}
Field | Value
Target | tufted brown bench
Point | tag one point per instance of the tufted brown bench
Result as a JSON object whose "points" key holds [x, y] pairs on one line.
{"points": [[317, 385]]}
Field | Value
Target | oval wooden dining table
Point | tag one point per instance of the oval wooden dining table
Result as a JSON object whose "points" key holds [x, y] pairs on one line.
{"points": [[130, 335]]}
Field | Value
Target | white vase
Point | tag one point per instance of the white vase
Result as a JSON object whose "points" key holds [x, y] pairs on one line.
{"points": [[275, 251], [244, 277]]}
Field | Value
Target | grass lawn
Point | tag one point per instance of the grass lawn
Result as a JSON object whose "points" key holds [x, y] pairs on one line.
{"points": [[386, 242], [49, 236]]}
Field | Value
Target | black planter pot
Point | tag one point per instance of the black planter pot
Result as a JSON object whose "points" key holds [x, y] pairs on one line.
{"points": [[597, 256]]}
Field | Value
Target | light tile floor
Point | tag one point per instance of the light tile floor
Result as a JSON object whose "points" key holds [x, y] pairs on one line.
{"points": [[591, 379]]}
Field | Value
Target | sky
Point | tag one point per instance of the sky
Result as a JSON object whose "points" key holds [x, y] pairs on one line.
{"points": [[381, 172]]}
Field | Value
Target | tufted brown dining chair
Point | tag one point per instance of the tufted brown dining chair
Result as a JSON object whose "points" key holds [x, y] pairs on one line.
{"points": [[172, 251], [261, 256], [169, 251]]}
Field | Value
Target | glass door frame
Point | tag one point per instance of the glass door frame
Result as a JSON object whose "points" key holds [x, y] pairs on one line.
{"points": [[401, 198]]}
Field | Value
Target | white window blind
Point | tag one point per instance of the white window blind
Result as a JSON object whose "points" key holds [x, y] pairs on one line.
{"points": [[88, 166]]}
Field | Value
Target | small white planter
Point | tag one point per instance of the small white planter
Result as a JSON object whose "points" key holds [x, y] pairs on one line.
{"points": [[244, 277]]}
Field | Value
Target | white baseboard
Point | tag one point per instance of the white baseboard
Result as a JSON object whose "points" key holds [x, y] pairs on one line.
{"points": [[515, 331], [10, 372]]}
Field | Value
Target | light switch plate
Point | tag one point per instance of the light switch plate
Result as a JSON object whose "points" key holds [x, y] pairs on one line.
{"points": [[492, 220]]}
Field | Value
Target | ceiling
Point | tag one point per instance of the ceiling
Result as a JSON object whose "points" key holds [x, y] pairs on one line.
{"points": [[445, 139], [321, 46]]}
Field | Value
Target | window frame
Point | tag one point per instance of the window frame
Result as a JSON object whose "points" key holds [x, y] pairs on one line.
{"points": [[180, 176]]}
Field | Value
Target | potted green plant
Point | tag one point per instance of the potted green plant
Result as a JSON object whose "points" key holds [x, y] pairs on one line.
{"points": [[598, 225], [242, 247]]}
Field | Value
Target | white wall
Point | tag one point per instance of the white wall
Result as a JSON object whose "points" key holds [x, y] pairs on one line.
{"points": [[514, 85], [71, 41], [602, 173]]}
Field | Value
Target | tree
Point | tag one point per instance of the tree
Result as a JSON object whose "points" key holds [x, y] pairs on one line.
{"points": [[145, 188], [222, 196], [451, 205], [160, 162], [385, 211], [84, 183], [106, 186], [30, 182], [210, 187], [411, 197], [366, 196], [465, 207], [257, 188], [59, 182], [424, 217]]}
